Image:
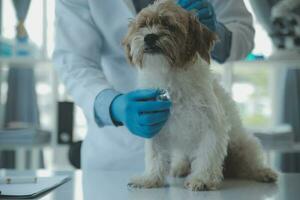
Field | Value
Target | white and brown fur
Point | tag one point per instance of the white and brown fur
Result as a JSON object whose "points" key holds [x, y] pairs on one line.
{"points": [[204, 138]]}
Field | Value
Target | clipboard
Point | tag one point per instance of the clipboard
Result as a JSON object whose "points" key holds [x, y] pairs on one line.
{"points": [[32, 190]]}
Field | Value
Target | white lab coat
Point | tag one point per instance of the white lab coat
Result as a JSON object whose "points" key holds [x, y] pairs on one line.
{"points": [[89, 58]]}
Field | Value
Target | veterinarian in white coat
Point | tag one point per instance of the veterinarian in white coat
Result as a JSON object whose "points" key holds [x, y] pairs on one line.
{"points": [[90, 60]]}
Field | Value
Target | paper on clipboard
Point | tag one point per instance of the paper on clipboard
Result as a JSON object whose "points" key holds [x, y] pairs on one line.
{"points": [[31, 190]]}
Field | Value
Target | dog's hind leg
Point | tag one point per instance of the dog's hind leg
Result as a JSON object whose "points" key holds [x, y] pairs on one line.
{"points": [[245, 159], [245, 155], [155, 169]]}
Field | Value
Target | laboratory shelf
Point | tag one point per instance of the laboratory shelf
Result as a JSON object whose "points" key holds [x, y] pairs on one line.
{"points": [[285, 64], [280, 59], [24, 62]]}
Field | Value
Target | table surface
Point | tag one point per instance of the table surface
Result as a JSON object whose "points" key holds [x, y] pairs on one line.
{"points": [[113, 185]]}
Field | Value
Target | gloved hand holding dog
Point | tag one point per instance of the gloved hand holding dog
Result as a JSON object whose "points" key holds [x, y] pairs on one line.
{"points": [[140, 112], [204, 11]]}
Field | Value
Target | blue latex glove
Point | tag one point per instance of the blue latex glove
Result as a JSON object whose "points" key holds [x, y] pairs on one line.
{"points": [[140, 112], [204, 11]]}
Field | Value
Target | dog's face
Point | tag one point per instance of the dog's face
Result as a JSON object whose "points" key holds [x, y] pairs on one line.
{"points": [[165, 29]]}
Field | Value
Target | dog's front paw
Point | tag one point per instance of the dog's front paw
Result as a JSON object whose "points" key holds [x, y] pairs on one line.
{"points": [[199, 185], [146, 182], [266, 175]]}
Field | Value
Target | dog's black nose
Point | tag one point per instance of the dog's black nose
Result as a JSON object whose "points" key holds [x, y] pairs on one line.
{"points": [[151, 39]]}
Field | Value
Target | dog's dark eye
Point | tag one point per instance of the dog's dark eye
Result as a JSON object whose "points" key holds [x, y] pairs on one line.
{"points": [[166, 23], [172, 28], [142, 24]]}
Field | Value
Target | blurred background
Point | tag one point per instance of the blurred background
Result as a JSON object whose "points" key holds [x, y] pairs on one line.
{"points": [[41, 127]]}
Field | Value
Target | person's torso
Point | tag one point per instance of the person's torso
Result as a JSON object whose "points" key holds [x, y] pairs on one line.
{"points": [[111, 20], [112, 147]]}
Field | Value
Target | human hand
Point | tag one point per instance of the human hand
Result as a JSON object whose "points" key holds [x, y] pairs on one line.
{"points": [[140, 112], [204, 11]]}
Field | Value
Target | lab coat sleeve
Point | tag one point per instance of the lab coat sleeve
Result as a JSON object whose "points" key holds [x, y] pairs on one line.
{"points": [[77, 54], [222, 48], [234, 15], [102, 107]]}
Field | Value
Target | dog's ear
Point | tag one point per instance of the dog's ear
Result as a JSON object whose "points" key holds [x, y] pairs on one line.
{"points": [[127, 40], [200, 38]]}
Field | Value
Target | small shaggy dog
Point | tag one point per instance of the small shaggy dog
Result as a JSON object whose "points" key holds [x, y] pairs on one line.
{"points": [[204, 138]]}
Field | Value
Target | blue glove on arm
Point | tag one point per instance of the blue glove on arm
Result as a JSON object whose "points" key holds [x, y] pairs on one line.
{"points": [[140, 112], [207, 16], [204, 11]]}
